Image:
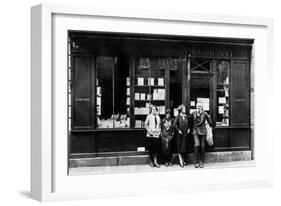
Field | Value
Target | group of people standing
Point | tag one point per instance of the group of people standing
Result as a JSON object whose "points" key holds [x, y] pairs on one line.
{"points": [[160, 134]]}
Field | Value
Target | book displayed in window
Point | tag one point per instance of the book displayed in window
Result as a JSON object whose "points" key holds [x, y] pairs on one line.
{"points": [[222, 93], [112, 93], [149, 89]]}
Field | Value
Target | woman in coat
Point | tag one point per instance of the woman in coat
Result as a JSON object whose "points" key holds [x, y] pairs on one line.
{"points": [[167, 133], [182, 127], [199, 133], [152, 125]]}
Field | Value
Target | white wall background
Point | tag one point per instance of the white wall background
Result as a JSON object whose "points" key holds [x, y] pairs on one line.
{"points": [[15, 101]]}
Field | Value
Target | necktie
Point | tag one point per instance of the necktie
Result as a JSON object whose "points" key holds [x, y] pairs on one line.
{"points": [[183, 117], [155, 121]]}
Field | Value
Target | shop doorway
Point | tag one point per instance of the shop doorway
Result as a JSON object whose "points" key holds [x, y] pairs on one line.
{"points": [[201, 84]]}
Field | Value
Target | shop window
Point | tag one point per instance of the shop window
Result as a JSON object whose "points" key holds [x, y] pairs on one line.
{"points": [[149, 88], [222, 111], [111, 95]]}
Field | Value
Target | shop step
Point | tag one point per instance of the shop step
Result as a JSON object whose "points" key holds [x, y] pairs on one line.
{"points": [[107, 154], [142, 159]]}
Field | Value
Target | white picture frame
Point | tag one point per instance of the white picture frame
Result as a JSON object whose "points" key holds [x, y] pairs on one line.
{"points": [[49, 179]]}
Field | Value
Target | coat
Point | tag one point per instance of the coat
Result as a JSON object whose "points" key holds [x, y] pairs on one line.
{"points": [[152, 127], [167, 130], [181, 124], [167, 133], [199, 121]]}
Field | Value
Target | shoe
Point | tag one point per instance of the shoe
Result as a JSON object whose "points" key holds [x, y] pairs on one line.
{"points": [[196, 165], [166, 164], [151, 164], [156, 165], [181, 165], [201, 165], [170, 164]]}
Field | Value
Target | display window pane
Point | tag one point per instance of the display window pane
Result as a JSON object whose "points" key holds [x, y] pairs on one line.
{"points": [[121, 93], [149, 88], [104, 94], [112, 94], [222, 111]]}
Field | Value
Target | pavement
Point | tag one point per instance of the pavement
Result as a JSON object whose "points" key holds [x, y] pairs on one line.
{"points": [[148, 168]]}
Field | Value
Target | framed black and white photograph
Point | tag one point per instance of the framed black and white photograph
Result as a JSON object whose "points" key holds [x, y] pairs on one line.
{"points": [[121, 99], [126, 93]]}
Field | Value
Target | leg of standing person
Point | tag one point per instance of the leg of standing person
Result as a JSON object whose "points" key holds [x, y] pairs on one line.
{"points": [[169, 156], [151, 151], [184, 149], [155, 161], [167, 152], [180, 140], [180, 159], [202, 145], [156, 149], [164, 146], [173, 148], [196, 150]]}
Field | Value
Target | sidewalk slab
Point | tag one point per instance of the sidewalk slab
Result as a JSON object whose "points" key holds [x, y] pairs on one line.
{"points": [[147, 168], [143, 159]]}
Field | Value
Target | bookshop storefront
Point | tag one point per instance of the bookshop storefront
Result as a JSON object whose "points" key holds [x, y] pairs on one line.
{"points": [[114, 78]]}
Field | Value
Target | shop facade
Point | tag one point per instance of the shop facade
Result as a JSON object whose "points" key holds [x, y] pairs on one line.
{"points": [[114, 78]]}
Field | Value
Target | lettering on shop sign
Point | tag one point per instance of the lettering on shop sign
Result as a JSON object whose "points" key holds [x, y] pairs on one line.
{"points": [[170, 63], [82, 99], [239, 100], [211, 52]]}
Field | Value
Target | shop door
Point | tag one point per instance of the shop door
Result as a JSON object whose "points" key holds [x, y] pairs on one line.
{"points": [[201, 84]]}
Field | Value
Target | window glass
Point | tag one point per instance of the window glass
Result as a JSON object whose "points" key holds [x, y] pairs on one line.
{"points": [[104, 94], [149, 88], [200, 65], [200, 83], [223, 93], [200, 92], [121, 94], [113, 92]]}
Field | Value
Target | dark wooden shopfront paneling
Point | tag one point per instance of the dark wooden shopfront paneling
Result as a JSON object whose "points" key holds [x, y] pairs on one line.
{"points": [[107, 141], [240, 87], [240, 137], [221, 137], [82, 142], [81, 91], [240, 104]]}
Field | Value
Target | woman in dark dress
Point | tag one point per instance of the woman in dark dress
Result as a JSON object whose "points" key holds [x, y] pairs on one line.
{"points": [[182, 128], [199, 133], [167, 133]]}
